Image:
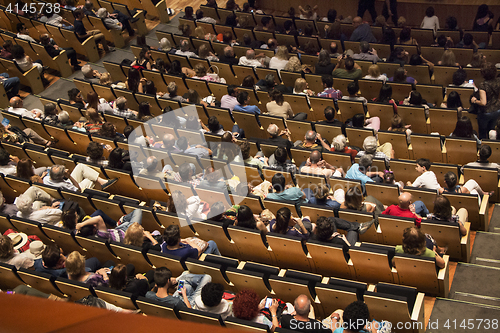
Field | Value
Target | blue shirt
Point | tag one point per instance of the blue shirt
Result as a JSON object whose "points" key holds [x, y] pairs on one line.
{"points": [[248, 109], [185, 251], [170, 300], [363, 33], [38, 265], [293, 193], [354, 173]]}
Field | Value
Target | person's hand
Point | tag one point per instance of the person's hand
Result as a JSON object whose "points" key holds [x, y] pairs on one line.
{"points": [[55, 204], [78, 226], [14, 159], [45, 173], [140, 277], [408, 183], [340, 57], [66, 173], [308, 162], [103, 271], [473, 100], [287, 186], [274, 306], [322, 163], [143, 80], [412, 208]]}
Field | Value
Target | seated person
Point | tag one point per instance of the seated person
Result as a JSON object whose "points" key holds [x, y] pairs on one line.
{"points": [[427, 179], [470, 186], [303, 317], [414, 243], [326, 231], [370, 147], [81, 177], [37, 205], [185, 248], [361, 170], [11, 256], [406, 208], [210, 300], [311, 140], [258, 161], [75, 268], [185, 297], [279, 161], [282, 192], [443, 211], [320, 195], [339, 144], [318, 166], [121, 109], [286, 225]]}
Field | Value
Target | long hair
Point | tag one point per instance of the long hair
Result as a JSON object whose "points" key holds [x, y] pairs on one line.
{"points": [[448, 58], [133, 79], [118, 277], [25, 169], [385, 93], [463, 128], [353, 198], [277, 96], [93, 99], [413, 241], [283, 216], [324, 58]]}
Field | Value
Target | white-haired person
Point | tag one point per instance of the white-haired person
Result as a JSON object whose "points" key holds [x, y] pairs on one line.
{"points": [[280, 59], [115, 21], [339, 144], [37, 205], [81, 177], [165, 45], [371, 147]]}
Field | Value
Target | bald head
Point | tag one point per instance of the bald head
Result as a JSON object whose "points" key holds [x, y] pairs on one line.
{"points": [[273, 130], [228, 51], [302, 305], [404, 200], [168, 140], [357, 21], [16, 102], [250, 54], [315, 157], [310, 136], [151, 163]]}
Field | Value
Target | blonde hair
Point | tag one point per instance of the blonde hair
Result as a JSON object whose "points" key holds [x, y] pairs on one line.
{"points": [[282, 53], [200, 32], [448, 58], [300, 85], [374, 71], [75, 264], [134, 235], [92, 115], [105, 79], [293, 65], [203, 51]]}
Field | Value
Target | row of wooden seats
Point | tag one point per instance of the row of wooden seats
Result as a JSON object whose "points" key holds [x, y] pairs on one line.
{"points": [[37, 51], [423, 36], [394, 303]]}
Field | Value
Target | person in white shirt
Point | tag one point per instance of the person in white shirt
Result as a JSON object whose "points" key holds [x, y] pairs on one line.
{"points": [[250, 59], [201, 18], [280, 60], [17, 107], [427, 179], [430, 20], [229, 100], [23, 33], [184, 50], [37, 205], [81, 178]]}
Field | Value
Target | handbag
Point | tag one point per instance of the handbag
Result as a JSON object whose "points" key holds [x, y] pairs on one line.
{"points": [[215, 75]]}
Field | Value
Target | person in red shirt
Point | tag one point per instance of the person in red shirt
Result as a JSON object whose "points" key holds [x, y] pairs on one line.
{"points": [[405, 208]]}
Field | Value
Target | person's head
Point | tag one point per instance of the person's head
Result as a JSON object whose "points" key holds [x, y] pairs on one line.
{"points": [[115, 159], [108, 130], [413, 241], [273, 130], [354, 198], [423, 165], [277, 96], [69, 219], [245, 149], [451, 23], [184, 45], [450, 179], [397, 123], [385, 93], [4, 157], [300, 85], [25, 168], [331, 15], [370, 144], [133, 79], [6, 247], [489, 71], [288, 25], [211, 293], [482, 11], [380, 21], [358, 120], [388, 177], [175, 68], [485, 152], [339, 142], [324, 229], [310, 136], [246, 304], [188, 12], [121, 103], [150, 88], [134, 235], [172, 234], [7, 45], [93, 116], [374, 71], [199, 14], [400, 75], [51, 255], [429, 12], [404, 200], [321, 192], [365, 162], [105, 79], [283, 217], [355, 316], [357, 21], [448, 58], [21, 28], [442, 207], [200, 70], [468, 39], [75, 265], [185, 172], [416, 60], [162, 277], [302, 305], [74, 95], [248, 81], [165, 44], [315, 157], [333, 48], [118, 277], [280, 154], [293, 64], [416, 98], [463, 128], [192, 96], [282, 52], [353, 88], [95, 150], [243, 98], [405, 34], [266, 21], [478, 59], [213, 124], [349, 63], [245, 218], [454, 100], [441, 40], [278, 181], [459, 77]]}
